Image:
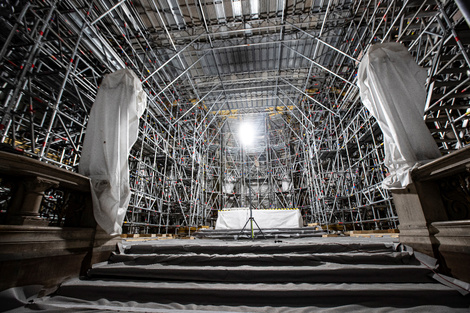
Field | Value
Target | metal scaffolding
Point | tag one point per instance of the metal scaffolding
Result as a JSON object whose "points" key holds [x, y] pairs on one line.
{"points": [[289, 67]]}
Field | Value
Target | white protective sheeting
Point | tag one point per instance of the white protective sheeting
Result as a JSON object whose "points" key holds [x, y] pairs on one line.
{"points": [[112, 130], [392, 89], [236, 218]]}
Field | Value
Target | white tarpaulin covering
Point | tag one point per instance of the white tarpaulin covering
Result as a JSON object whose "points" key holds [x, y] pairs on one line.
{"points": [[112, 130], [392, 89], [276, 218]]}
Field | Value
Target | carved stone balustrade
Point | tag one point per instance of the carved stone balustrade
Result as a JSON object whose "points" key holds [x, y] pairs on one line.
{"points": [[33, 252], [434, 212]]}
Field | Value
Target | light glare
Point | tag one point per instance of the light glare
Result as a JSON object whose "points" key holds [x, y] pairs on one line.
{"points": [[246, 134]]}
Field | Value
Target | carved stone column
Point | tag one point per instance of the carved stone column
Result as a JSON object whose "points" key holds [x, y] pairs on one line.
{"points": [[29, 195]]}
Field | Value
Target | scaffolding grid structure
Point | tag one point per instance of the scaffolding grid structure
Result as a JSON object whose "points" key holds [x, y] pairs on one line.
{"points": [[287, 67]]}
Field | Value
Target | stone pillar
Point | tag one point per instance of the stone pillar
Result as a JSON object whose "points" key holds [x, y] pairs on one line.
{"points": [[27, 201], [419, 205]]}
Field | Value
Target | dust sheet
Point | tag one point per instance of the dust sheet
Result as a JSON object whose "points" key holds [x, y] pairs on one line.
{"points": [[111, 132], [392, 88]]}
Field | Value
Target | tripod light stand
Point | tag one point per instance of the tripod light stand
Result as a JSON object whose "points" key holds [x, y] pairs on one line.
{"points": [[245, 137]]}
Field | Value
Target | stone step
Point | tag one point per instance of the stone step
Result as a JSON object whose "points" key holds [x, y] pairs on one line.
{"points": [[260, 247], [298, 276], [378, 295], [264, 233], [294, 259], [324, 273]]}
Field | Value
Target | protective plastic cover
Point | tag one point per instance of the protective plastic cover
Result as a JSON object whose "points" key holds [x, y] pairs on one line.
{"points": [[112, 130], [392, 88], [237, 218]]}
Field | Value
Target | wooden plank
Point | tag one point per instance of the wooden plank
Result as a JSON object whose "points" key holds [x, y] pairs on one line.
{"points": [[142, 239], [369, 235], [360, 235], [385, 231]]}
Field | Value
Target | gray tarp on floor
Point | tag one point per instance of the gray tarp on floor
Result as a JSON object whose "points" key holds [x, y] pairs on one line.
{"points": [[336, 276]]}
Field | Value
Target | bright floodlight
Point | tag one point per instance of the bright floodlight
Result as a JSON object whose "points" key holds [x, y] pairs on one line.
{"points": [[246, 134]]}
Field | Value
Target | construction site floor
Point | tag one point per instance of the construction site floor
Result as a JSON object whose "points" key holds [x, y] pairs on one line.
{"points": [[316, 274]]}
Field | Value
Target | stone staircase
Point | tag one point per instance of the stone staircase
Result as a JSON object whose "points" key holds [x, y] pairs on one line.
{"points": [[296, 275]]}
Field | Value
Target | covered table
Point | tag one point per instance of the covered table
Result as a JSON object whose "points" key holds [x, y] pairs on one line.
{"points": [[236, 218]]}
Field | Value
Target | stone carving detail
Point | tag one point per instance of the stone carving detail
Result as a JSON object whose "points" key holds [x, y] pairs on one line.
{"points": [[455, 191], [34, 189]]}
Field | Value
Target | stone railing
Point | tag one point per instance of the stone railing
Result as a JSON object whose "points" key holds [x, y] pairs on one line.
{"points": [[434, 212], [28, 179], [39, 250]]}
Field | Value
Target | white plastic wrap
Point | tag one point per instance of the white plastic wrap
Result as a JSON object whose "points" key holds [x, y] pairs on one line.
{"points": [[392, 89], [236, 218], [112, 130]]}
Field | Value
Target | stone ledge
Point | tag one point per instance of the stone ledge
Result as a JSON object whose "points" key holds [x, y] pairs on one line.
{"points": [[453, 236], [49, 255], [453, 239], [25, 242], [18, 165], [445, 166], [453, 224]]}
